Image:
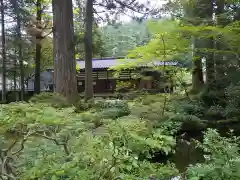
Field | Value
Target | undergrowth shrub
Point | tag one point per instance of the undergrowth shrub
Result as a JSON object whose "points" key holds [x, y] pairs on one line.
{"points": [[43, 143], [153, 111], [140, 110], [83, 105], [21, 117], [216, 112], [149, 99], [222, 158], [112, 108], [52, 99], [211, 97], [112, 113], [168, 124], [189, 122], [112, 103], [191, 107], [233, 102]]}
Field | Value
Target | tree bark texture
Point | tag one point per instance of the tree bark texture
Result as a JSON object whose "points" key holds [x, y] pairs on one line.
{"points": [[203, 11], [88, 50], [207, 15], [65, 81], [197, 73], [20, 56], [3, 51], [37, 80], [221, 21], [18, 50], [210, 64]]}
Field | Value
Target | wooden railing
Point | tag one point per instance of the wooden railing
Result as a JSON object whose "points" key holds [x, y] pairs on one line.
{"points": [[106, 75]]}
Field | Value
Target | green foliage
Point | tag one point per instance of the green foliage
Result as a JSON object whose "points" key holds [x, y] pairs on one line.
{"points": [[166, 44], [119, 40], [192, 107], [211, 98], [233, 103], [46, 56], [82, 105], [123, 86], [26, 117], [106, 109], [98, 44], [55, 143], [149, 99], [113, 108], [215, 112], [112, 103], [52, 99], [222, 158]]}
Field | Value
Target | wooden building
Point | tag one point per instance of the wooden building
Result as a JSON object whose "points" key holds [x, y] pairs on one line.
{"points": [[105, 80]]}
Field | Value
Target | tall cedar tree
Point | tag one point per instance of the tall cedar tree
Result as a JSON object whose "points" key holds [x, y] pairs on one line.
{"points": [[65, 81], [88, 50], [204, 11], [37, 86], [16, 9], [3, 51]]}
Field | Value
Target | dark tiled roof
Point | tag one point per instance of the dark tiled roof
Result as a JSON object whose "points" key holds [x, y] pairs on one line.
{"points": [[111, 62]]}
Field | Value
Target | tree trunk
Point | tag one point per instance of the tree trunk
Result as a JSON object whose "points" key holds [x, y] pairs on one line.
{"points": [[88, 50], [16, 7], [65, 81], [197, 73], [219, 45], [192, 12], [37, 85], [203, 11], [20, 57], [15, 77], [3, 52], [207, 13]]}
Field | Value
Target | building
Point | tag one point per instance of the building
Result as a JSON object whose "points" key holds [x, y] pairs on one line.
{"points": [[46, 81], [106, 81]]}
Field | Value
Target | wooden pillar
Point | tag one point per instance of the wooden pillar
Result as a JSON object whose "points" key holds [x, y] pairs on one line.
{"points": [[149, 84]]}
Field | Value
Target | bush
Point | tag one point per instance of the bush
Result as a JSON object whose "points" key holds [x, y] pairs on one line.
{"points": [[222, 158], [233, 102], [233, 94], [168, 125], [52, 99], [211, 98], [140, 110], [190, 107], [48, 143], [149, 99], [82, 105], [215, 112], [112, 108]]}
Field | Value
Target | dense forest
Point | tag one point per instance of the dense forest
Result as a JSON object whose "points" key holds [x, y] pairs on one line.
{"points": [[191, 133]]}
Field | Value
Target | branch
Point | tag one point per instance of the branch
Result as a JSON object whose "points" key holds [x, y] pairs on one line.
{"points": [[64, 144], [9, 177], [94, 10], [125, 5], [10, 147], [114, 161], [47, 34], [23, 143]]}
